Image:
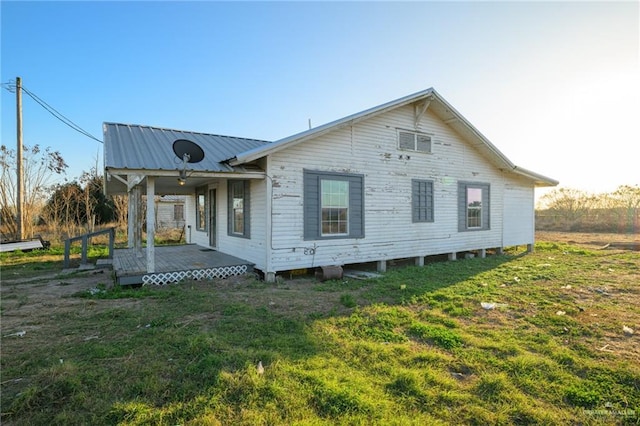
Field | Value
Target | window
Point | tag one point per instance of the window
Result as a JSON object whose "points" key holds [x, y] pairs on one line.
{"points": [[473, 206], [413, 141], [178, 212], [201, 216], [333, 205], [238, 209], [421, 200]]}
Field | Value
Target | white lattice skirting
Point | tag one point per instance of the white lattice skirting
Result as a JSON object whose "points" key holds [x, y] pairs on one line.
{"points": [[162, 278]]}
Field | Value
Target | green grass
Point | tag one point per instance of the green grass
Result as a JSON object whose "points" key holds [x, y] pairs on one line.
{"points": [[47, 261], [412, 347]]}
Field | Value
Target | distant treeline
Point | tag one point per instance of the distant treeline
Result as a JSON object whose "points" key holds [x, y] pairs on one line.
{"points": [[566, 209]]}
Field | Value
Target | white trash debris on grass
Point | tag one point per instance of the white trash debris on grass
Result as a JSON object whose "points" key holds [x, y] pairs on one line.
{"points": [[260, 368], [627, 330], [489, 306], [560, 312], [17, 334]]}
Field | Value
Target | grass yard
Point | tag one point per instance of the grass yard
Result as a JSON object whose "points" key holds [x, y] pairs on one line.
{"points": [[413, 347]]}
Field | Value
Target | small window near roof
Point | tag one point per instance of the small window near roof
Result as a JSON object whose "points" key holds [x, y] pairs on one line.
{"points": [[414, 141]]}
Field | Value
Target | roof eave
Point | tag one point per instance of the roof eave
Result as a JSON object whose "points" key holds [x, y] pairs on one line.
{"points": [[539, 180], [244, 173]]}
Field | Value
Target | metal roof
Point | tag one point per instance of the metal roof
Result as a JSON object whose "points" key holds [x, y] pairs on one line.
{"points": [[136, 147]]}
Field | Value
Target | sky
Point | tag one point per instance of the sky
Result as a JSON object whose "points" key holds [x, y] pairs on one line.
{"points": [[554, 85]]}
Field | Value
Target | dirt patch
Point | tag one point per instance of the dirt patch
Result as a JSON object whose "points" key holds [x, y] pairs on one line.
{"points": [[294, 298], [27, 304], [591, 240]]}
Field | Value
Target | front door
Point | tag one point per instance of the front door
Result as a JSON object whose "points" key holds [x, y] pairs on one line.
{"points": [[212, 218]]}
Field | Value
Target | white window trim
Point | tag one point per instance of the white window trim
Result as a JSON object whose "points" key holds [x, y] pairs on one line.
{"points": [[479, 209], [331, 234]]}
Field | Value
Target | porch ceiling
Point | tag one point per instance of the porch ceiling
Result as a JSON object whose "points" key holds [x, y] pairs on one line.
{"points": [[166, 181]]}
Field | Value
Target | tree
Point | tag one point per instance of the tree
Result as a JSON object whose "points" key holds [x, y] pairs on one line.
{"points": [[98, 209], [573, 210], [121, 209], [40, 167], [568, 204], [80, 203]]}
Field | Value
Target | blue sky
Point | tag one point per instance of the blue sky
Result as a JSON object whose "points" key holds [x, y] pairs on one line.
{"points": [[555, 86]]}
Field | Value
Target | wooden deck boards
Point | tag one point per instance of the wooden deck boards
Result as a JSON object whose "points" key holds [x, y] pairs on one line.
{"points": [[129, 267]]}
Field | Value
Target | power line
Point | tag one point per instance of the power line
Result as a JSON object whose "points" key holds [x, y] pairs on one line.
{"points": [[51, 110]]}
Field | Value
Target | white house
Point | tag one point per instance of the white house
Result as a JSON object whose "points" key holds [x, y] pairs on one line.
{"points": [[406, 179], [170, 212]]}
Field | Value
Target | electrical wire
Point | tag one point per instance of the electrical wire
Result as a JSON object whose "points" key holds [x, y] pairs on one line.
{"points": [[57, 114], [11, 87]]}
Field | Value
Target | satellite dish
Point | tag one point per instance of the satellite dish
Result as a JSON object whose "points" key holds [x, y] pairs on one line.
{"points": [[188, 151]]}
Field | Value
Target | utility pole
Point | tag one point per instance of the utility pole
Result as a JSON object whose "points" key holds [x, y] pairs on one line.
{"points": [[20, 172]]}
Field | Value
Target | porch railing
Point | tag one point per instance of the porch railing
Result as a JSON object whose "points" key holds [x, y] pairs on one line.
{"points": [[85, 244]]}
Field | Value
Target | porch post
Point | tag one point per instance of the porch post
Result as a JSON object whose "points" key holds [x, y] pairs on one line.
{"points": [[131, 217], [151, 223], [134, 224]]}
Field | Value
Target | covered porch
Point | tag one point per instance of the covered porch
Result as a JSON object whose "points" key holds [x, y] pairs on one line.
{"points": [[175, 263]]}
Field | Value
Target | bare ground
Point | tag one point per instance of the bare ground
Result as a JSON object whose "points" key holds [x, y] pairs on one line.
{"points": [[588, 240], [29, 304]]}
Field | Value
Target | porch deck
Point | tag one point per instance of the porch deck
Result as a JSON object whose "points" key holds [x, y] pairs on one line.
{"points": [[175, 263]]}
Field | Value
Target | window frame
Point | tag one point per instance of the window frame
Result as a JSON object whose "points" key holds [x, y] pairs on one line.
{"points": [[415, 135], [233, 184], [464, 209], [476, 209], [422, 201], [312, 204], [335, 205], [178, 212], [201, 210]]}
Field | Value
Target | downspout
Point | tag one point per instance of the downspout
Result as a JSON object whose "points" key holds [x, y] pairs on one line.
{"points": [[269, 275]]}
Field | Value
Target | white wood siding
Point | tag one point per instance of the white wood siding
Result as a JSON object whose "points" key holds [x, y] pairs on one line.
{"points": [[193, 235], [370, 148], [252, 249], [165, 215], [519, 221]]}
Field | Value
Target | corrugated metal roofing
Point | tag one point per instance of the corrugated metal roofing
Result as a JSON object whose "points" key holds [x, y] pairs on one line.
{"points": [[132, 146]]}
